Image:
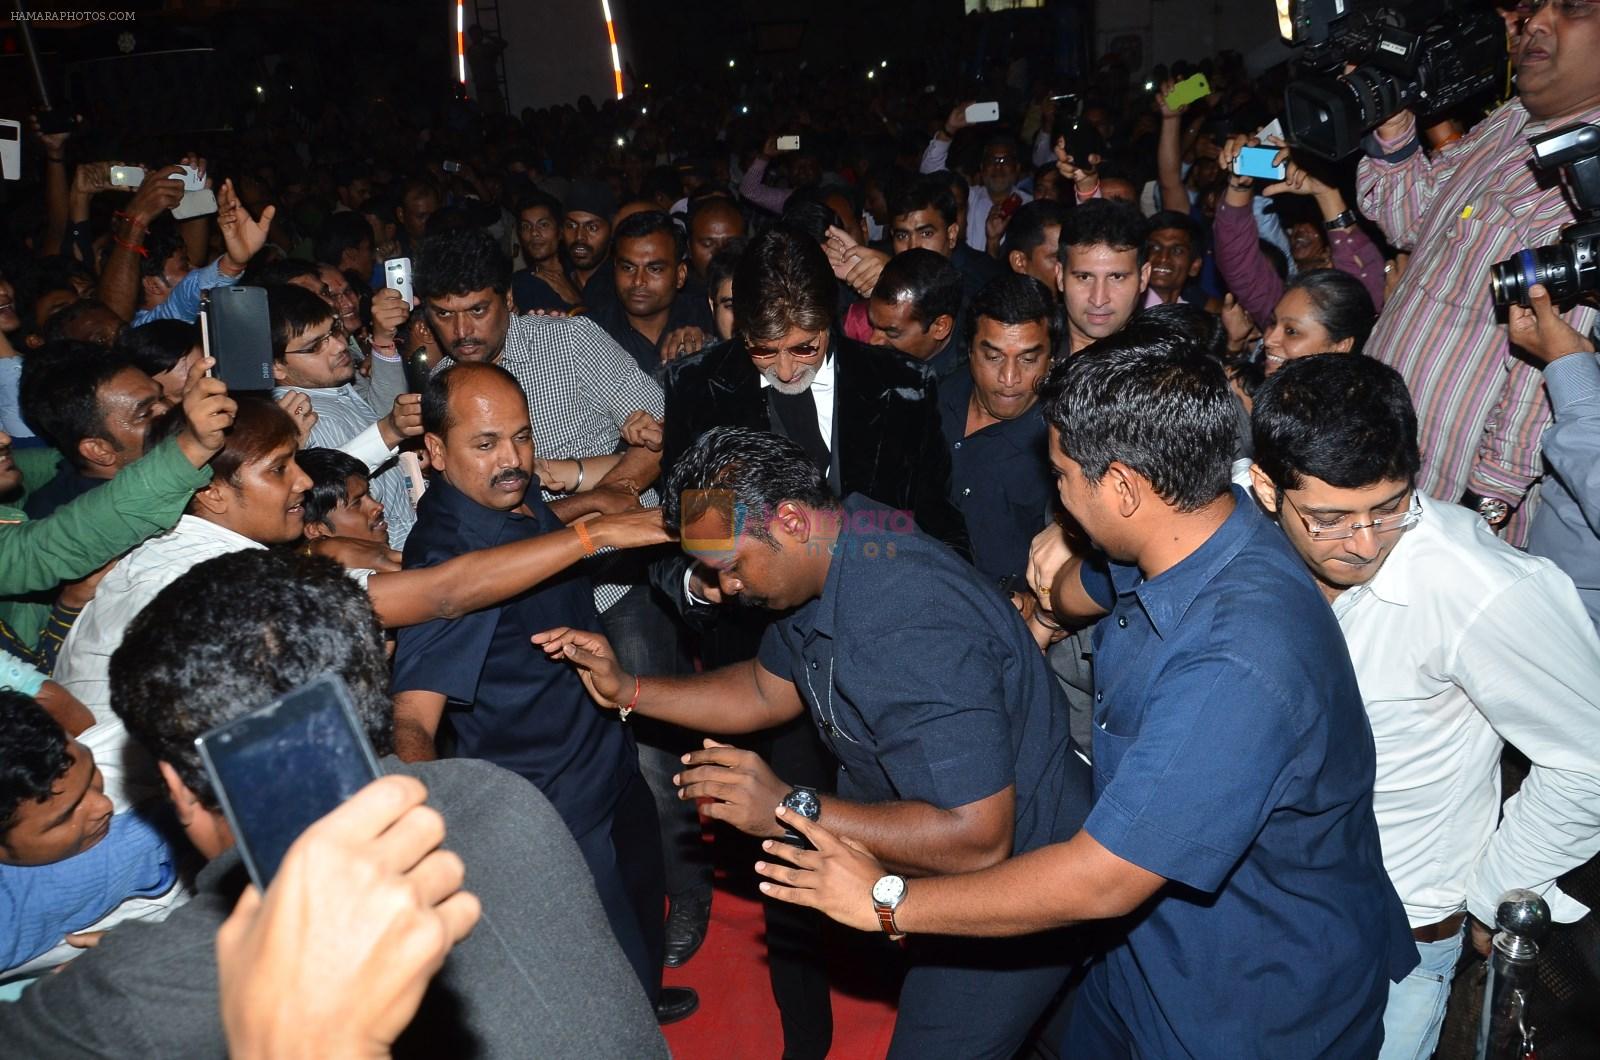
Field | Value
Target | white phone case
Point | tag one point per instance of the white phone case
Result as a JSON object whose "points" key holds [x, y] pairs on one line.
{"points": [[982, 112], [397, 277], [10, 149]]}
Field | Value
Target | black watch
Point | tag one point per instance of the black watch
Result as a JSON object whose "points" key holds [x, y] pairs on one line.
{"points": [[1347, 219], [805, 802]]}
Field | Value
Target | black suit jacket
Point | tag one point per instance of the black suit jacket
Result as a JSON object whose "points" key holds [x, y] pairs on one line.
{"points": [[887, 442]]}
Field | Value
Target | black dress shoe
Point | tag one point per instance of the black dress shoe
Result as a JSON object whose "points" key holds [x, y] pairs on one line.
{"points": [[686, 928], [676, 1003]]}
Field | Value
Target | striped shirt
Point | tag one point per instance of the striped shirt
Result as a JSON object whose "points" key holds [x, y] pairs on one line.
{"points": [[1480, 410], [581, 388]]}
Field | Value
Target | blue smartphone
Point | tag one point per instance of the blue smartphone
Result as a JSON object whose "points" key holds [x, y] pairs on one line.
{"points": [[279, 769], [1257, 162]]}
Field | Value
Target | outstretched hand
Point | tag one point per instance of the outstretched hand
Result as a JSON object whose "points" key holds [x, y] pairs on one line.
{"points": [[836, 877], [594, 659]]}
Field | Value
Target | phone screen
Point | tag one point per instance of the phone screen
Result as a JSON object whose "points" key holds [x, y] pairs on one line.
{"points": [[278, 769], [10, 131], [1257, 162], [237, 331]]}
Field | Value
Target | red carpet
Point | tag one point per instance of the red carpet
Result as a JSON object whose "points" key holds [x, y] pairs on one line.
{"points": [[738, 1020]]}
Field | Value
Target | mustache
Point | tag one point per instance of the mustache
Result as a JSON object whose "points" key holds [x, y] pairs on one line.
{"points": [[510, 475]]}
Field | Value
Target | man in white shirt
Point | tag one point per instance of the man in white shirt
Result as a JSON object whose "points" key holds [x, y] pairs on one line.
{"points": [[1460, 643]]}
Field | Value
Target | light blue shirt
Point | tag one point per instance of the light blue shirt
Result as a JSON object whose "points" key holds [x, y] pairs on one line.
{"points": [[1566, 527], [184, 301]]}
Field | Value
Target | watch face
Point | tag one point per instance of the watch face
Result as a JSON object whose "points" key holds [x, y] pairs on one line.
{"points": [[804, 802], [1493, 510], [889, 890]]}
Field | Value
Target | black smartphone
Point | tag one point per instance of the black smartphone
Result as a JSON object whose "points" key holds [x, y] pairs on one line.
{"points": [[236, 329], [282, 767], [419, 365], [1082, 141]]}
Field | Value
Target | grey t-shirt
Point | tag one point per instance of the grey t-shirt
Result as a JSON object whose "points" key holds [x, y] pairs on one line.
{"points": [[541, 974]]}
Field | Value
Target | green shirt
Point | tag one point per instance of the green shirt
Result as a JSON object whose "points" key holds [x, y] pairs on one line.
{"points": [[144, 499]]}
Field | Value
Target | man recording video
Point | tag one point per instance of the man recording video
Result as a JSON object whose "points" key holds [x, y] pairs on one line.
{"points": [[1481, 409]]}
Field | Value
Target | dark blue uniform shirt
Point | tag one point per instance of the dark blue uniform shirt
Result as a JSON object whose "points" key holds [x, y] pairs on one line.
{"points": [[508, 704], [1232, 756], [1000, 480], [925, 683]]}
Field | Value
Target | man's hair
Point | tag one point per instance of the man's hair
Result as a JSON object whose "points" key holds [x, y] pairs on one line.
{"points": [[805, 211], [1025, 231], [436, 417], [848, 192], [783, 281], [960, 187], [1013, 298], [60, 392], [753, 470], [461, 262], [647, 224], [928, 279], [929, 192], [1103, 223], [414, 185], [260, 427], [341, 232], [280, 272], [1151, 399], [293, 310], [1163, 219], [1341, 417], [535, 198], [706, 204], [1342, 304], [1204, 329], [724, 263], [158, 345], [329, 471], [162, 240], [33, 755], [234, 633], [60, 328]]}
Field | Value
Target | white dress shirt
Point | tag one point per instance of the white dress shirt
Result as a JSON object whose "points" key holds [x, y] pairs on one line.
{"points": [[1460, 644], [936, 157], [821, 392]]}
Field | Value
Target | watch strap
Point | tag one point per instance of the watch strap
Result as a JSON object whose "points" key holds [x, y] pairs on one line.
{"points": [[886, 921]]}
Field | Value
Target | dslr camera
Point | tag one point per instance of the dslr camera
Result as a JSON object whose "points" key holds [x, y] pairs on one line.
{"points": [[1571, 266], [1429, 55]]}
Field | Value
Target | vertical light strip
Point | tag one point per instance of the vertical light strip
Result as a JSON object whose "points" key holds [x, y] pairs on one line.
{"points": [[461, 43], [611, 34]]}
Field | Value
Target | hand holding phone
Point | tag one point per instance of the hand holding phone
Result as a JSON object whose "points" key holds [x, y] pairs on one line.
{"points": [[279, 769], [236, 330]]}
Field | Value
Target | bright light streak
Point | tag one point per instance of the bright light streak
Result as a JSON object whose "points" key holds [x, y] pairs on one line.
{"points": [[461, 43], [611, 35]]}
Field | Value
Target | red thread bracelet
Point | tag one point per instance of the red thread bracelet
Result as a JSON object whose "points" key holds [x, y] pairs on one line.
{"points": [[622, 713], [137, 248]]}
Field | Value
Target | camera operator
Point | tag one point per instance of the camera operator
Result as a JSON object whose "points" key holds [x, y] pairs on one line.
{"points": [[1481, 410]]}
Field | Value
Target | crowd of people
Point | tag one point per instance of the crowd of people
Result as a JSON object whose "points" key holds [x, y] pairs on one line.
{"points": [[1116, 577]]}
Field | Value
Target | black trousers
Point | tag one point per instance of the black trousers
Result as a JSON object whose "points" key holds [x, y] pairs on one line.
{"points": [[624, 855]]}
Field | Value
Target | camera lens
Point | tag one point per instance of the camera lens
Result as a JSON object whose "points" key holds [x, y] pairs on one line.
{"points": [[1511, 279]]}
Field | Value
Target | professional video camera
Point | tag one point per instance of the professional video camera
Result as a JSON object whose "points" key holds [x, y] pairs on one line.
{"points": [[1570, 267], [1426, 54]]}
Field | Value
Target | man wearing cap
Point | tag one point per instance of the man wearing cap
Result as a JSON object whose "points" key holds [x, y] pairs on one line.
{"points": [[586, 233]]}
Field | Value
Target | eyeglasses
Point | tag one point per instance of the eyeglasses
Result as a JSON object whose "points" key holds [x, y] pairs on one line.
{"points": [[805, 351], [1565, 8], [1388, 524], [335, 336]]}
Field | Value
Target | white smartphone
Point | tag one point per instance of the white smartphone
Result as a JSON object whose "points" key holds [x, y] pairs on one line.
{"points": [[788, 143], [10, 149], [193, 179], [982, 112], [126, 176], [197, 203], [397, 277]]}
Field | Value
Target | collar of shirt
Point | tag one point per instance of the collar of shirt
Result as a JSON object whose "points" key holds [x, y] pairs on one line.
{"points": [[194, 528], [955, 395], [822, 383], [478, 526], [1393, 582], [1166, 597]]}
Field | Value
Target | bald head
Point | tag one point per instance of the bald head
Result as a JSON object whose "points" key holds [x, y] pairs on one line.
{"points": [[477, 433]]}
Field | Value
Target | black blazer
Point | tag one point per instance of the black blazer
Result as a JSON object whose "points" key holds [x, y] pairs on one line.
{"points": [[887, 442]]}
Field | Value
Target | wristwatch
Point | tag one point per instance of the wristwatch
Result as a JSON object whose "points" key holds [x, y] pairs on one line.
{"points": [[805, 802], [1347, 219], [887, 894], [1492, 510]]}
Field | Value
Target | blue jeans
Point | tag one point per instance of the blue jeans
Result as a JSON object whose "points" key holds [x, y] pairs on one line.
{"points": [[1415, 1013]]}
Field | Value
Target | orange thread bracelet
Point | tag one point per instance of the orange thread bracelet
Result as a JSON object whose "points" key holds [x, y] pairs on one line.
{"points": [[584, 539], [623, 712]]}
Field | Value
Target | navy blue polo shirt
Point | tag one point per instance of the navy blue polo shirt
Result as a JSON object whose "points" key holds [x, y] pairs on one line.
{"points": [[1232, 756], [925, 683], [999, 480], [507, 703]]}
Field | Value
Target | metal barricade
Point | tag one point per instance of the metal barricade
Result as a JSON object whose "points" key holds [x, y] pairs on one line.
{"points": [[1522, 921]]}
